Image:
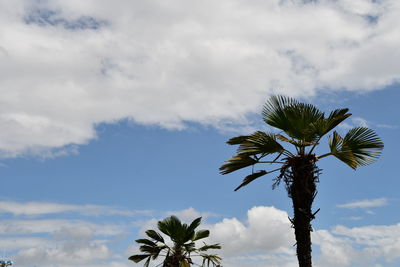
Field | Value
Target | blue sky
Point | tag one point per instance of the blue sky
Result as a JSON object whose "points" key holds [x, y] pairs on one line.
{"points": [[115, 115]]}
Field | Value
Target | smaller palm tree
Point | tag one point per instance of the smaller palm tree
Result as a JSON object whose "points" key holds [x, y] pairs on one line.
{"points": [[182, 247]]}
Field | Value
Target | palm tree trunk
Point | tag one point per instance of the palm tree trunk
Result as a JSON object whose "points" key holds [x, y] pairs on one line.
{"points": [[174, 259], [302, 190]]}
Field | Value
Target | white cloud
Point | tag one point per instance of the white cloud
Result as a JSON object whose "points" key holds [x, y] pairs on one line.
{"points": [[334, 251], [188, 215], [354, 218], [367, 203], [263, 238], [360, 121], [267, 229], [387, 126], [359, 246], [60, 228], [67, 253], [42, 208], [70, 65]]}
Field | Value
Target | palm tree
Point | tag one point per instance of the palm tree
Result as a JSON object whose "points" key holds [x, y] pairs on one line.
{"points": [[179, 253], [302, 125]]}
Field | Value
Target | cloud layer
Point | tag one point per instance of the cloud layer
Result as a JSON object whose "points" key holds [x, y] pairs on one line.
{"points": [[46, 208], [366, 203], [70, 65], [263, 237]]}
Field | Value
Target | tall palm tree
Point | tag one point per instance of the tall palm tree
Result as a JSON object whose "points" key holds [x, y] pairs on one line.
{"points": [[302, 126], [182, 248]]}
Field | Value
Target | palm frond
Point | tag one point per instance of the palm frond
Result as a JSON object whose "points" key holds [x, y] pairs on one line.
{"points": [[147, 263], [194, 224], [138, 258], [274, 111], [208, 259], [360, 146], [237, 140], [146, 242], [325, 125], [236, 163], [154, 235], [259, 143], [201, 234], [207, 247], [250, 178], [171, 226], [293, 117], [149, 249]]}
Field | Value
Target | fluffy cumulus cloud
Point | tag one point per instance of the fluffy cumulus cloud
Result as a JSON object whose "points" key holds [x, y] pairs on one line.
{"points": [[70, 65], [266, 229], [263, 238], [359, 246]]}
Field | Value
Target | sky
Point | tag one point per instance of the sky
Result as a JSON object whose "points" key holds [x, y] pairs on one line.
{"points": [[115, 114]]}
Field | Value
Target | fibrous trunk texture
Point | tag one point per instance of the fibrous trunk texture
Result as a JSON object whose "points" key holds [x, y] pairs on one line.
{"points": [[173, 260], [302, 190]]}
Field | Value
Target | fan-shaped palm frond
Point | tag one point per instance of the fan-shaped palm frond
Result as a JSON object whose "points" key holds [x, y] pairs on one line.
{"points": [[360, 146], [201, 234], [259, 143], [155, 236], [236, 163], [293, 117], [173, 228], [324, 125], [251, 149]]}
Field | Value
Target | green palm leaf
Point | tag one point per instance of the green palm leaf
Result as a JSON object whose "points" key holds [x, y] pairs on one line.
{"points": [[138, 258], [201, 234], [154, 235], [210, 259], [324, 125], [172, 227], [293, 117], [360, 146], [237, 140], [194, 224], [207, 247], [146, 242], [250, 178], [236, 163], [259, 143], [149, 249]]}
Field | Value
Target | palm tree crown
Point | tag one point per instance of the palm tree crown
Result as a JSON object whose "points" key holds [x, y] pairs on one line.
{"points": [[302, 125], [183, 239]]}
